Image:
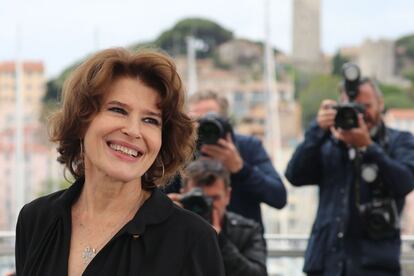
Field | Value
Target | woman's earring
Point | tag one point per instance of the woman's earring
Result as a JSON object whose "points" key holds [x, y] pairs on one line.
{"points": [[163, 168], [81, 154]]}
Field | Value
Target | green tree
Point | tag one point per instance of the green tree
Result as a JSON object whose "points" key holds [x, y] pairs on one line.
{"points": [[54, 86], [406, 44], [404, 54], [319, 87], [337, 62], [395, 97], [54, 91], [212, 34], [301, 80]]}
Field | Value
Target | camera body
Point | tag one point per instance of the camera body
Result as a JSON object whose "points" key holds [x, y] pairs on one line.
{"points": [[380, 218], [211, 128], [197, 202], [347, 114]]}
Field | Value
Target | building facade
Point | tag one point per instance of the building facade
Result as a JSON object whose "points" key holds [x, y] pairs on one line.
{"points": [[377, 60], [39, 157], [32, 87]]}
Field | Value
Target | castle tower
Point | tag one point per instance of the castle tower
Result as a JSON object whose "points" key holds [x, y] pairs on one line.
{"points": [[306, 50]]}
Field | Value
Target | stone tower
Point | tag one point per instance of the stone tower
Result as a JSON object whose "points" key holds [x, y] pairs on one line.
{"points": [[306, 50]]}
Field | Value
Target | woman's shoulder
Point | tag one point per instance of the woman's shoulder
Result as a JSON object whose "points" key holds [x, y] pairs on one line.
{"points": [[42, 207], [45, 201]]}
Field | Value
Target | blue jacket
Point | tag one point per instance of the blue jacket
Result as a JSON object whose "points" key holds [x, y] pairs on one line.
{"points": [[337, 238], [256, 182]]}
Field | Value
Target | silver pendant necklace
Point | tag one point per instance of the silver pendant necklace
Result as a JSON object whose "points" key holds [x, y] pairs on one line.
{"points": [[89, 252]]}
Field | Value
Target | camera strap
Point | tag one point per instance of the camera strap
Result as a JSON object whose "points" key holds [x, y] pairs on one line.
{"points": [[356, 162], [376, 187]]}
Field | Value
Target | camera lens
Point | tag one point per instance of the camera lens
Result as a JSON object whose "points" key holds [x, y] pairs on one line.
{"points": [[378, 220], [196, 202], [209, 132]]}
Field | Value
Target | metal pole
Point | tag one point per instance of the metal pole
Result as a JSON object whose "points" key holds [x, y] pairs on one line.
{"points": [[273, 138], [192, 70], [96, 38], [19, 134]]}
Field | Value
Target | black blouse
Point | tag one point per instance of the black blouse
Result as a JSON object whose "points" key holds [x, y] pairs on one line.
{"points": [[162, 239]]}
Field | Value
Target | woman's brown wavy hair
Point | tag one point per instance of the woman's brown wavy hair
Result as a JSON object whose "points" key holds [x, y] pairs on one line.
{"points": [[83, 95]]}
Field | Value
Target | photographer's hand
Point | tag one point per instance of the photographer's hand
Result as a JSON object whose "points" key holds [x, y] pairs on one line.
{"points": [[226, 152], [326, 114], [357, 137]]}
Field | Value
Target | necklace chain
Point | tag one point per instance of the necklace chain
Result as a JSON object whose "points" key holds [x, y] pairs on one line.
{"points": [[89, 252]]}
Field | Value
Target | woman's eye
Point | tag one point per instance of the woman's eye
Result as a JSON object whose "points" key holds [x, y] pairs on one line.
{"points": [[118, 110], [152, 121]]}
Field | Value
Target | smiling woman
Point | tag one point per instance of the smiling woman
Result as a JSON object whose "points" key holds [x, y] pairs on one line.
{"points": [[124, 138], [121, 132]]}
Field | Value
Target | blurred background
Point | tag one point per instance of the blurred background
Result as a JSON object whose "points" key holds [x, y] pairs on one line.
{"points": [[274, 60]]}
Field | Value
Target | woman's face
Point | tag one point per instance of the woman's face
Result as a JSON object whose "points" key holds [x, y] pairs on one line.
{"points": [[124, 138]]}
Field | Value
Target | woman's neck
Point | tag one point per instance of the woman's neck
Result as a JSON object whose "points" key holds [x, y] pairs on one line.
{"points": [[103, 196]]}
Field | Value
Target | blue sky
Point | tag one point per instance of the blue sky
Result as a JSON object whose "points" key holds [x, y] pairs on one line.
{"points": [[60, 32]]}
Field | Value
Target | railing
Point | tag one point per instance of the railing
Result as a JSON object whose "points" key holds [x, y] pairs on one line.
{"points": [[285, 253], [6, 251], [288, 245]]}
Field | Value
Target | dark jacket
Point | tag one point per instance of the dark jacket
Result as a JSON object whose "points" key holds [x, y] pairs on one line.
{"points": [[242, 247], [255, 183], [338, 238], [161, 239]]}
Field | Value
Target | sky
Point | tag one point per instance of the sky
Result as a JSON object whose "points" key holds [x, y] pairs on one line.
{"points": [[58, 33]]}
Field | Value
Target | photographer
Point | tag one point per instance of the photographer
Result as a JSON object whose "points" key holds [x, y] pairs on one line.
{"points": [[240, 239], [253, 177], [364, 170]]}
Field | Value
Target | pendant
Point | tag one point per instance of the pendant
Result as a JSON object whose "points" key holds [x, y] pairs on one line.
{"points": [[88, 254]]}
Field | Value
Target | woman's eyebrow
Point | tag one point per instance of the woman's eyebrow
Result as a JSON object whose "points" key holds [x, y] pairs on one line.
{"points": [[117, 103]]}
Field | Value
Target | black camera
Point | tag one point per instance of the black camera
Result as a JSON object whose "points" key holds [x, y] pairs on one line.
{"points": [[211, 128], [196, 201], [380, 218], [347, 114]]}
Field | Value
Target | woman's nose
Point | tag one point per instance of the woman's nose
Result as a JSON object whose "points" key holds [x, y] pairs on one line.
{"points": [[132, 129]]}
